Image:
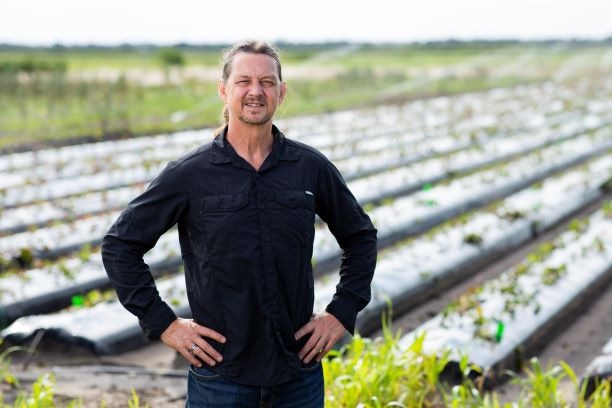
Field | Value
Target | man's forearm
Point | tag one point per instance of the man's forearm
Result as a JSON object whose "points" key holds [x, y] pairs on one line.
{"points": [[356, 271], [133, 282]]}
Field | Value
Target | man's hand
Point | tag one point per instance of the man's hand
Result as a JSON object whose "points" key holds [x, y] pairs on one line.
{"points": [[326, 331], [187, 337]]}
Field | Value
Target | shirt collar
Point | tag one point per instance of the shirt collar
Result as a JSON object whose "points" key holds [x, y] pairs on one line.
{"points": [[222, 152]]}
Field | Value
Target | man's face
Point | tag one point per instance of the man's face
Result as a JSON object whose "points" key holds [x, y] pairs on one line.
{"points": [[253, 91]]}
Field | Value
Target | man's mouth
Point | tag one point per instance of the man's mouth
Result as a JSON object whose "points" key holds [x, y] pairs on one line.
{"points": [[254, 104]]}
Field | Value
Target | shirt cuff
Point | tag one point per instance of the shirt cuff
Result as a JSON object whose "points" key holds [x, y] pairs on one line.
{"points": [[344, 310], [157, 319]]}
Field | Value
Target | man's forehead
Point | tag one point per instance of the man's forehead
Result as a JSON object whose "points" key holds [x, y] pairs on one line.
{"points": [[254, 64]]}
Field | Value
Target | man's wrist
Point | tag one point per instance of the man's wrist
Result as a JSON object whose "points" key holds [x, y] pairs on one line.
{"points": [[342, 310], [157, 319]]}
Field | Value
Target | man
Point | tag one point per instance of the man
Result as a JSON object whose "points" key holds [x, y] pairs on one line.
{"points": [[245, 205]]}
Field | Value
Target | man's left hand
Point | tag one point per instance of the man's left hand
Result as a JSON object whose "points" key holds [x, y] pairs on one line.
{"points": [[326, 331]]}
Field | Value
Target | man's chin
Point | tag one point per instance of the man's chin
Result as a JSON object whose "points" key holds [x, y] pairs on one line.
{"points": [[255, 120]]}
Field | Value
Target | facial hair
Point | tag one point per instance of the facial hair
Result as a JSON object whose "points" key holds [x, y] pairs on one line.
{"points": [[255, 120]]}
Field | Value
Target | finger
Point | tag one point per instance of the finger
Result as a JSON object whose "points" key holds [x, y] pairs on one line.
{"points": [[325, 349], [309, 346], [190, 357], [198, 352], [314, 352], [307, 328], [210, 333], [205, 347]]}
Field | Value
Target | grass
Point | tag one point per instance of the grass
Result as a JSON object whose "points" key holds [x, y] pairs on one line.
{"points": [[37, 107], [379, 373]]}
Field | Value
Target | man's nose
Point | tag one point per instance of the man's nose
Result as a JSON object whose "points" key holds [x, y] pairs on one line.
{"points": [[255, 89]]}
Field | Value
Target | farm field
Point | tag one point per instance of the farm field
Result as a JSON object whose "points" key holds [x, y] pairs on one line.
{"points": [[59, 94], [493, 207]]}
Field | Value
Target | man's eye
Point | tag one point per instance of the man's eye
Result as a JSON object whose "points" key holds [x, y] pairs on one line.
{"points": [[268, 83]]}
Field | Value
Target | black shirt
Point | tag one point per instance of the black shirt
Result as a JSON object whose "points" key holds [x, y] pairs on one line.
{"points": [[246, 240]]}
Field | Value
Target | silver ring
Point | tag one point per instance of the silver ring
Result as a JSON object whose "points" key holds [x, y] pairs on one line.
{"points": [[192, 348]]}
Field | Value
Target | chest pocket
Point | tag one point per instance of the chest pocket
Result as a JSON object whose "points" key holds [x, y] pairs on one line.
{"points": [[294, 217], [221, 219], [223, 203]]}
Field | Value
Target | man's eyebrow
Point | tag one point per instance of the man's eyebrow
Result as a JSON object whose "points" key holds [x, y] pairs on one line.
{"points": [[271, 76]]}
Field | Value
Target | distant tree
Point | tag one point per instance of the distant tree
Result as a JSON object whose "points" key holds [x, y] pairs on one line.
{"points": [[170, 58]]}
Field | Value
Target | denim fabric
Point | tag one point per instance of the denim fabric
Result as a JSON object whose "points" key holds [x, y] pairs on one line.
{"points": [[207, 389]]}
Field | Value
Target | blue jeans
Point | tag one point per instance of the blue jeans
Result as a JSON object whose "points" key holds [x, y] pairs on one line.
{"points": [[207, 389]]}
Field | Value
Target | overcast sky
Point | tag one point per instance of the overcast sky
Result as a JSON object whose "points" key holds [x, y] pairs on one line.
{"points": [[43, 22]]}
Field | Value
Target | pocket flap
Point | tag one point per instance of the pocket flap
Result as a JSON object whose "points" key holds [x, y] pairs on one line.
{"points": [[295, 199], [222, 203]]}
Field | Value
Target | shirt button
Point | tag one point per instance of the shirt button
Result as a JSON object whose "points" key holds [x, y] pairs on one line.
{"points": [[261, 207], [266, 238]]}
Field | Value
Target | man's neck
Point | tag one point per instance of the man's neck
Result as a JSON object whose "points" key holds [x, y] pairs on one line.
{"points": [[252, 142]]}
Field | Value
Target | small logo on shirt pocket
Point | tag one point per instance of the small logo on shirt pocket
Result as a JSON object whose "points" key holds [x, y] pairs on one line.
{"points": [[309, 193]]}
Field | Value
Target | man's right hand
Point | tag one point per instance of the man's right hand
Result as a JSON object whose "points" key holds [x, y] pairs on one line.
{"points": [[187, 337]]}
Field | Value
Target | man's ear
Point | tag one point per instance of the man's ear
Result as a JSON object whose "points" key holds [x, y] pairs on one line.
{"points": [[283, 91], [221, 90]]}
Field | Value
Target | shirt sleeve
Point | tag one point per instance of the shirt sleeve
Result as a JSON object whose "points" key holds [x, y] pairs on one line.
{"points": [[356, 235], [134, 233]]}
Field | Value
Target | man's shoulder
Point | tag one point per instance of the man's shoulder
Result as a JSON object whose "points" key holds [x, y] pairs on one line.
{"points": [[306, 151], [196, 156]]}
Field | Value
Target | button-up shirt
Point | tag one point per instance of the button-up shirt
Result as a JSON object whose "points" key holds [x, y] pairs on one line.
{"points": [[246, 240]]}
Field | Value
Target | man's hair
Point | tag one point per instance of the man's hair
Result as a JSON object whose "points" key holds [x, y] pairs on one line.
{"points": [[249, 47]]}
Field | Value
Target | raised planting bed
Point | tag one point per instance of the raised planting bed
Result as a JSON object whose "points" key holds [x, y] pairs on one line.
{"points": [[536, 208], [53, 287], [498, 323], [415, 270], [423, 175], [402, 218], [28, 217], [598, 370], [104, 328], [409, 216], [419, 262], [140, 170], [369, 190], [362, 131], [339, 133]]}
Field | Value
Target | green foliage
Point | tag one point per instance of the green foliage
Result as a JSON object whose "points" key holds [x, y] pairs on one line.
{"points": [[48, 94], [134, 402], [30, 66], [540, 387], [85, 253], [552, 274], [42, 395], [377, 373], [472, 239], [382, 373], [5, 362], [171, 57]]}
